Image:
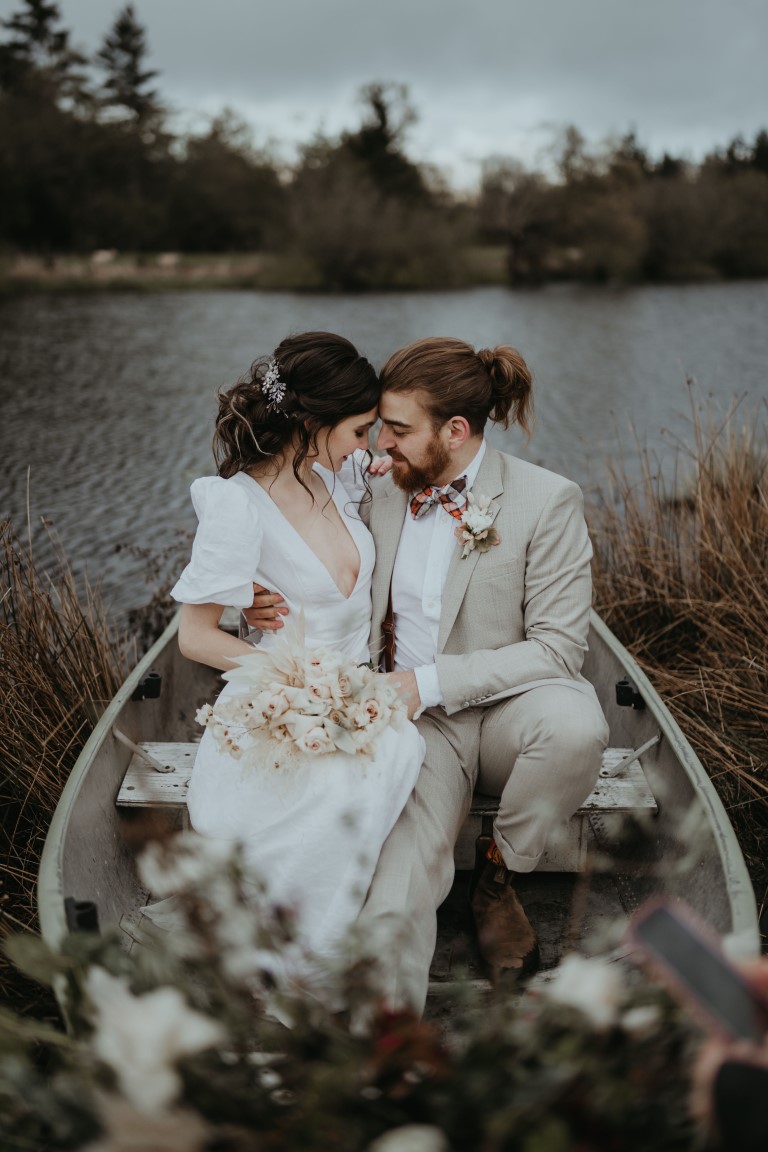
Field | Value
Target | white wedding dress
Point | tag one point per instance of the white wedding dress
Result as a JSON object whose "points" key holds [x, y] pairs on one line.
{"points": [[313, 830]]}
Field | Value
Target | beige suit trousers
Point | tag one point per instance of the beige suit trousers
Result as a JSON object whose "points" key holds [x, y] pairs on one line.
{"points": [[539, 751]]}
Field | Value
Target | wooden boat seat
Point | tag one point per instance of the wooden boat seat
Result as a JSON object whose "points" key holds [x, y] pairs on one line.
{"points": [[145, 787]]}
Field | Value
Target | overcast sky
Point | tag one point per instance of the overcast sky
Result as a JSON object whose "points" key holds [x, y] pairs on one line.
{"points": [[487, 77]]}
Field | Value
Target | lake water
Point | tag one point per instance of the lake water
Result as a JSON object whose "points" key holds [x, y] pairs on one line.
{"points": [[107, 401]]}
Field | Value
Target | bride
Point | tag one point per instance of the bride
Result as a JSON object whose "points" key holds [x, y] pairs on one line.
{"points": [[278, 514]]}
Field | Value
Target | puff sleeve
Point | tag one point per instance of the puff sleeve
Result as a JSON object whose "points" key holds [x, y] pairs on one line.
{"points": [[226, 548]]}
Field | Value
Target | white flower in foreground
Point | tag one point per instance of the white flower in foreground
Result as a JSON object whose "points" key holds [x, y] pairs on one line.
{"points": [[641, 1021], [411, 1138], [189, 862], [591, 985], [142, 1037]]}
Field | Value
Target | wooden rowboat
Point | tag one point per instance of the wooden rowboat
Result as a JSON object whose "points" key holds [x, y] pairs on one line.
{"points": [[655, 829]]}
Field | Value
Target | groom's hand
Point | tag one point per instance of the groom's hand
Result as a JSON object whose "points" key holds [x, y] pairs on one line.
{"points": [[266, 611], [407, 686]]}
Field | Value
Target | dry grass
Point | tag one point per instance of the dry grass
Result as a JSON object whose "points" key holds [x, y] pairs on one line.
{"points": [[57, 655], [682, 579]]}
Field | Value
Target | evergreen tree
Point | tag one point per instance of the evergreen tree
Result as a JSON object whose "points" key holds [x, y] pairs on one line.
{"points": [[122, 57], [37, 58], [760, 152]]}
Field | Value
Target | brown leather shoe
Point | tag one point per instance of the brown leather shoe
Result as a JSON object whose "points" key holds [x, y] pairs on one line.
{"points": [[506, 939]]}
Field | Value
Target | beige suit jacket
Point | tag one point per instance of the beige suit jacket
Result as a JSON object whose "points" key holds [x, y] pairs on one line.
{"points": [[517, 614]]}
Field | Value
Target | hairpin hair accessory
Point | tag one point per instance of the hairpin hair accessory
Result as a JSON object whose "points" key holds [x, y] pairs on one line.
{"points": [[272, 386]]}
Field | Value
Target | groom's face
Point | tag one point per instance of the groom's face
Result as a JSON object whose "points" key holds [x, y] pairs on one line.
{"points": [[419, 451]]}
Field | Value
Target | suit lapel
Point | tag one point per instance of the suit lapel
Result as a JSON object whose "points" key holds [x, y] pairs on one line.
{"points": [[488, 483], [386, 523]]}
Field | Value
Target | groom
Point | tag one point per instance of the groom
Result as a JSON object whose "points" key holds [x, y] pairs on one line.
{"points": [[487, 635]]}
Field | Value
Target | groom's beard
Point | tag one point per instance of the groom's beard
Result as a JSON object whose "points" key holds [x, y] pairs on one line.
{"points": [[412, 477]]}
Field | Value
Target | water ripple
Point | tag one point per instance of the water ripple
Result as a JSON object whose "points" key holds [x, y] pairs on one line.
{"points": [[109, 400]]}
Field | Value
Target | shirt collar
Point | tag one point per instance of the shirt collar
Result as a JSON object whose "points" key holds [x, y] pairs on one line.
{"points": [[473, 467]]}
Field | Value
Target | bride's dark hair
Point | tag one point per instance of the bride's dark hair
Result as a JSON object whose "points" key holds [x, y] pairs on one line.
{"points": [[325, 380]]}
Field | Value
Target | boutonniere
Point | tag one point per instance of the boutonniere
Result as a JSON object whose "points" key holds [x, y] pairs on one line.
{"points": [[475, 531]]}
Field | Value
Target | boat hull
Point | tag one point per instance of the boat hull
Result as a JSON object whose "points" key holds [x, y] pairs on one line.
{"points": [[689, 850]]}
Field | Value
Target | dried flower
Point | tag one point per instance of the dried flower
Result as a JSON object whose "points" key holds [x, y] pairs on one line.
{"points": [[475, 531]]}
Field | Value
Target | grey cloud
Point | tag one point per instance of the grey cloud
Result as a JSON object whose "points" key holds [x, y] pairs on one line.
{"points": [[485, 75]]}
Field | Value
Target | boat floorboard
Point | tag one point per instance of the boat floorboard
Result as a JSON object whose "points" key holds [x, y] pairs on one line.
{"points": [[568, 911]]}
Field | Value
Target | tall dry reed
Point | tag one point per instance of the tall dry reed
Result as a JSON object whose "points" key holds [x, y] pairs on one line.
{"points": [[681, 577], [57, 654]]}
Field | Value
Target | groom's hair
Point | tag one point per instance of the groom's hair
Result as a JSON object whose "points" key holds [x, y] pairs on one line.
{"points": [[491, 384]]}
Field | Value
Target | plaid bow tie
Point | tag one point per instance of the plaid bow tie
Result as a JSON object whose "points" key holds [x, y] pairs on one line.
{"points": [[451, 496]]}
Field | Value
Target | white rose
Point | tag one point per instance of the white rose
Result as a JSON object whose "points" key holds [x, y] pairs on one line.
{"points": [[304, 703], [320, 689], [298, 723], [371, 708], [323, 661], [357, 714], [316, 741], [275, 705]]}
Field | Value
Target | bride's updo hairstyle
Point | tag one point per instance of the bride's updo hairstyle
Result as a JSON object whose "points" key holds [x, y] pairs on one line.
{"points": [[492, 384], [311, 382]]}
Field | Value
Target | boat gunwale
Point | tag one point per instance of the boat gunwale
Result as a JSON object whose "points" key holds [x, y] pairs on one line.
{"points": [[745, 929], [50, 899]]}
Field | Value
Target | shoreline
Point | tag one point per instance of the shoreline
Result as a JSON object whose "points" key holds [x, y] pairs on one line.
{"points": [[112, 271]]}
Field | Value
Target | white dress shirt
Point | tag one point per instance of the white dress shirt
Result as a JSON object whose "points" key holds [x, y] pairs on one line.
{"points": [[423, 558]]}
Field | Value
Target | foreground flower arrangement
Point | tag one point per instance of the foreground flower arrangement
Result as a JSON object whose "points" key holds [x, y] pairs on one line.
{"points": [[176, 1046], [303, 701]]}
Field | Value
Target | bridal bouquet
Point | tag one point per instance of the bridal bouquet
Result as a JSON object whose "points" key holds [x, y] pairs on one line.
{"points": [[298, 700]]}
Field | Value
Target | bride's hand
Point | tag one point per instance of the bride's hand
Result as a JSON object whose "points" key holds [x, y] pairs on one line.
{"points": [[380, 465], [266, 611], [408, 689]]}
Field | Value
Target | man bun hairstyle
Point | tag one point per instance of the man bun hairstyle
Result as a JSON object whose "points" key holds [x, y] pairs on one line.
{"points": [[312, 381], [492, 384]]}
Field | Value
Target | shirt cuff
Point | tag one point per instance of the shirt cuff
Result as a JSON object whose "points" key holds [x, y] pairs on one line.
{"points": [[428, 684]]}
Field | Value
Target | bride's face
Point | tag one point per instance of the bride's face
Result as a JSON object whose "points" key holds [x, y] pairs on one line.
{"points": [[341, 441]]}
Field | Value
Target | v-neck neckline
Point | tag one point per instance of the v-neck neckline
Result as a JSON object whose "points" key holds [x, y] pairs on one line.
{"points": [[304, 543]]}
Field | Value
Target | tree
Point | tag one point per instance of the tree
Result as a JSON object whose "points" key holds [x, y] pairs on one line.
{"points": [[226, 195], [518, 208], [377, 145], [122, 57], [38, 59], [760, 152], [364, 214]]}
